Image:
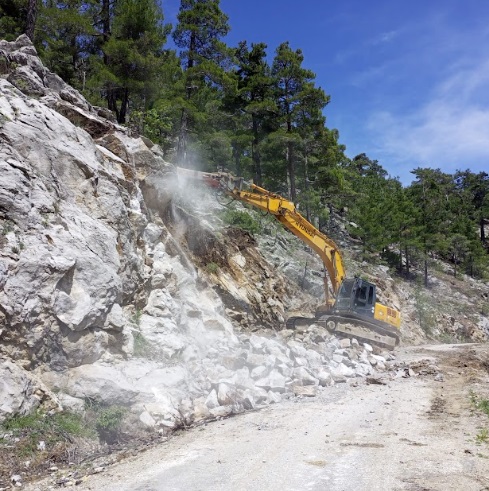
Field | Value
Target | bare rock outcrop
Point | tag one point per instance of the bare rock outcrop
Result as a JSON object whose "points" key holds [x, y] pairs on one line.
{"points": [[99, 296], [21, 392]]}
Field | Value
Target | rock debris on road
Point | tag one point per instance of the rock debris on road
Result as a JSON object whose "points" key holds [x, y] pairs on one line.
{"points": [[414, 433]]}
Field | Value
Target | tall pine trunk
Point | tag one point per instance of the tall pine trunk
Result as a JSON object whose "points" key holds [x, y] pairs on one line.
{"points": [[406, 255], [124, 105], [110, 93], [105, 18], [306, 187], [400, 254], [184, 117], [291, 164], [31, 19], [425, 263], [237, 159], [255, 153]]}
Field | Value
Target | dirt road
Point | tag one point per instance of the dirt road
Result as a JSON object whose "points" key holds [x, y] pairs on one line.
{"points": [[417, 433]]}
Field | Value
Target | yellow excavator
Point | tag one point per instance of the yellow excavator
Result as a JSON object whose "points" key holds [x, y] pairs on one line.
{"points": [[352, 310]]}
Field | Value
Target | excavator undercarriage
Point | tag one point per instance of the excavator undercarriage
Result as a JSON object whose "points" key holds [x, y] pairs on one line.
{"points": [[357, 314], [352, 326]]}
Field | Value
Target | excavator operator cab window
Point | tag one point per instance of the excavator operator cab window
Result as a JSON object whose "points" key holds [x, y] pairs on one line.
{"points": [[361, 296], [364, 295], [344, 296], [371, 295]]}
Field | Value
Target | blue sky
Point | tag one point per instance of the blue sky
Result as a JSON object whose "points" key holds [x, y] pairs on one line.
{"points": [[408, 80]]}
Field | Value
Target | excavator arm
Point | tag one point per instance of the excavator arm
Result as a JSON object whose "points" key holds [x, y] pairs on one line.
{"points": [[286, 213]]}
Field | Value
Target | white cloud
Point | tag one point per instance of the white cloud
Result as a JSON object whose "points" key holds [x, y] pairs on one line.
{"points": [[449, 131], [344, 55], [385, 37]]}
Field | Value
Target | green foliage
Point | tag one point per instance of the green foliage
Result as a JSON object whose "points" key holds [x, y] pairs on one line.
{"points": [[201, 25], [142, 347], [7, 228], [425, 311], [251, 103], [109, 419], [64, 36], [483, 405], [22, 422], [136, 318], [13, 16], [153, 124], [52, 429], [105, 421], [3, 118], [212, 267], [241, 219], [133, 56], [299, 108], [479, 403], [482, 436], [72, 424]]}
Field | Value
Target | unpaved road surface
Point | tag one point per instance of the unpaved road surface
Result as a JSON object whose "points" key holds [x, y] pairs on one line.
{"points": [[417, 433]]}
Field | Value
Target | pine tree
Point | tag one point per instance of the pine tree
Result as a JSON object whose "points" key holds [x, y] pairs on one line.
{"points": [[430, 192], [32, 8], [253, 98], [65, 39], [294, 87], [133, 54], [473, 190], [201, 25], [14, 18]]}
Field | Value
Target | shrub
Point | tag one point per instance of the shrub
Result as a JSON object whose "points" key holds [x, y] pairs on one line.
{"points": [[212, 267], [137, 317], [480, 403], [482, 436], [108, 423], [142, 347], [241, 219], [53, 429]]}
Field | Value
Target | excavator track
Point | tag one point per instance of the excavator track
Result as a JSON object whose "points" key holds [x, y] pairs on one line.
{"points": [[352, 326]]}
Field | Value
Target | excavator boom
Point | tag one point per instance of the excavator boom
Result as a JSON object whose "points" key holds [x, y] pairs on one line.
{"points": [[285, 212]]}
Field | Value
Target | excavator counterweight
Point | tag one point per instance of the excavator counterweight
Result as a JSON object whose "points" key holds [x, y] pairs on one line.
{"points": [[352, 309]]}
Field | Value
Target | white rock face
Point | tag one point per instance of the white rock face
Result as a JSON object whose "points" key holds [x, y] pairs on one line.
{"points": [[21, 392]]}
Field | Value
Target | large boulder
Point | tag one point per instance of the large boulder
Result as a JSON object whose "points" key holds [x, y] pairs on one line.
{"points": [[21, 392]]}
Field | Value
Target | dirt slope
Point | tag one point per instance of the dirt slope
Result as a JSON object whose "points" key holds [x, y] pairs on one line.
{"points": [[415, 433]]}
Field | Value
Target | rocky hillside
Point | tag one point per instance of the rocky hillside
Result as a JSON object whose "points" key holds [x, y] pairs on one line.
{"points": [[121, 286]]}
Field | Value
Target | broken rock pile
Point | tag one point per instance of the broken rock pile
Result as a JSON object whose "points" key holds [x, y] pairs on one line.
{"points": [[266, 370]]}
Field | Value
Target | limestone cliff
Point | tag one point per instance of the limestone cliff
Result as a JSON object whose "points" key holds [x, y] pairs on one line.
{"points": [[99, 297]]}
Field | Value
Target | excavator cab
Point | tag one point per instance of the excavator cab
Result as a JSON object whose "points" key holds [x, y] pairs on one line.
{"points": [[356, 295]]}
